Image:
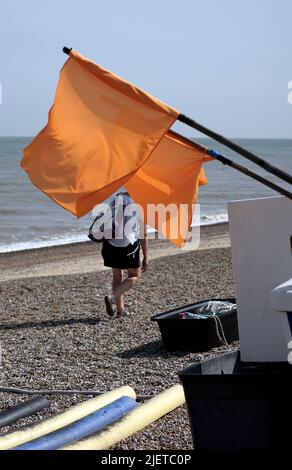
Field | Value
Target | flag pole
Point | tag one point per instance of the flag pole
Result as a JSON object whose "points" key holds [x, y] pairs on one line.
{"points": [[237, 148], [242, 169], [251, 174]]}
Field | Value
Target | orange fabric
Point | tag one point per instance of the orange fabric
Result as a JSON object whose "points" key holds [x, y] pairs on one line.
{"points": [[100, 130], [171, 175]]}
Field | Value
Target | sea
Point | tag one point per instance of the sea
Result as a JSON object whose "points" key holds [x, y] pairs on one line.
{"points": [[29, 219]]}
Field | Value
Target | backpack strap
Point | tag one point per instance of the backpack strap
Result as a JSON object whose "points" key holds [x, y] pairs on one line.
{"points": [[90, 234]]}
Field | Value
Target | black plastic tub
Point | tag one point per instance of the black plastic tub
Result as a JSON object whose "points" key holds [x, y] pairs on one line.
{"points": [[194, 335], [235, 405]]}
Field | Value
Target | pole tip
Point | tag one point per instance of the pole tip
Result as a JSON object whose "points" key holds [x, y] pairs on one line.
{"points": [[67, 50]]}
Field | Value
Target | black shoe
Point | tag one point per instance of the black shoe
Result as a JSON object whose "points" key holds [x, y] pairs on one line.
{"points": [[109, 305]]}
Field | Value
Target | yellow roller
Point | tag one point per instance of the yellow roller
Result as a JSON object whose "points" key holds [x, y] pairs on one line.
{"points": [[133, 421], [63, 419]]}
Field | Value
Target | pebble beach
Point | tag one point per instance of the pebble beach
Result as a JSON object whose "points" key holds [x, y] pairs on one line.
{"points": [[55, 334]]}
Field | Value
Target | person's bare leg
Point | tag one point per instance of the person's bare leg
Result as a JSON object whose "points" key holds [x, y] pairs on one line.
{"points": [[117, 280], [109, 300], [131, 281]]}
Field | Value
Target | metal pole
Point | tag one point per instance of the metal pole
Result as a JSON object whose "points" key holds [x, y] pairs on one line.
{"points": [[237, 148], [236, 166]]}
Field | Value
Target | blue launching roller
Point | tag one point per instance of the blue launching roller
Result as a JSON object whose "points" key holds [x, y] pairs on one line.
{"points": [[83, 427]]}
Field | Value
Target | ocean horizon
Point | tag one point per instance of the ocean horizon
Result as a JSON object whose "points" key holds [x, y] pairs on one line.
{"points": [[29, 219]]}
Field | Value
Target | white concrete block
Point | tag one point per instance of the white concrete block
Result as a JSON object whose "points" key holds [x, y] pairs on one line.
{"points": [[261, 231]]}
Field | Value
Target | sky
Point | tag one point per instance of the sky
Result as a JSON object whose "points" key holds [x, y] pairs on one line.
{"points": [[224, 63]]}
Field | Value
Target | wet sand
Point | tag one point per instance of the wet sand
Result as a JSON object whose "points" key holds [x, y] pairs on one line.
{"points": [[84, 257]]}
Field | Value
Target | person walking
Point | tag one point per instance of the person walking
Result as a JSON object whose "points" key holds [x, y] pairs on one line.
{"points": [[122, 253]]}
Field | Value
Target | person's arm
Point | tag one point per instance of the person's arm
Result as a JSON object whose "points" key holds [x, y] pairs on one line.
{"points": [[144, 245]]}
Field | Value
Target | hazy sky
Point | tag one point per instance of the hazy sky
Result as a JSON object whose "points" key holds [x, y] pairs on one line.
{"points": [[226, 63]]}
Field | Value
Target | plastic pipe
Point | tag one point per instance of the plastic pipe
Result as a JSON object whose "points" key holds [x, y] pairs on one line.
{"points": [[63, 419], [21, 410], [83, 427], [134, 421]]}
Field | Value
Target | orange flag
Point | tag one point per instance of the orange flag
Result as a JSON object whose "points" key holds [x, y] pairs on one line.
{"points": [[100, 130], [167, 185]]}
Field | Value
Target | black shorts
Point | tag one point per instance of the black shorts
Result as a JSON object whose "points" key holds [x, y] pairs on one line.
{"points": [[121, 258]]}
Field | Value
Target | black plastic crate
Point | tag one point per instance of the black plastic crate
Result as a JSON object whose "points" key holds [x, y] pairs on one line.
{"points": [[195, 335], [235, 405]]}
